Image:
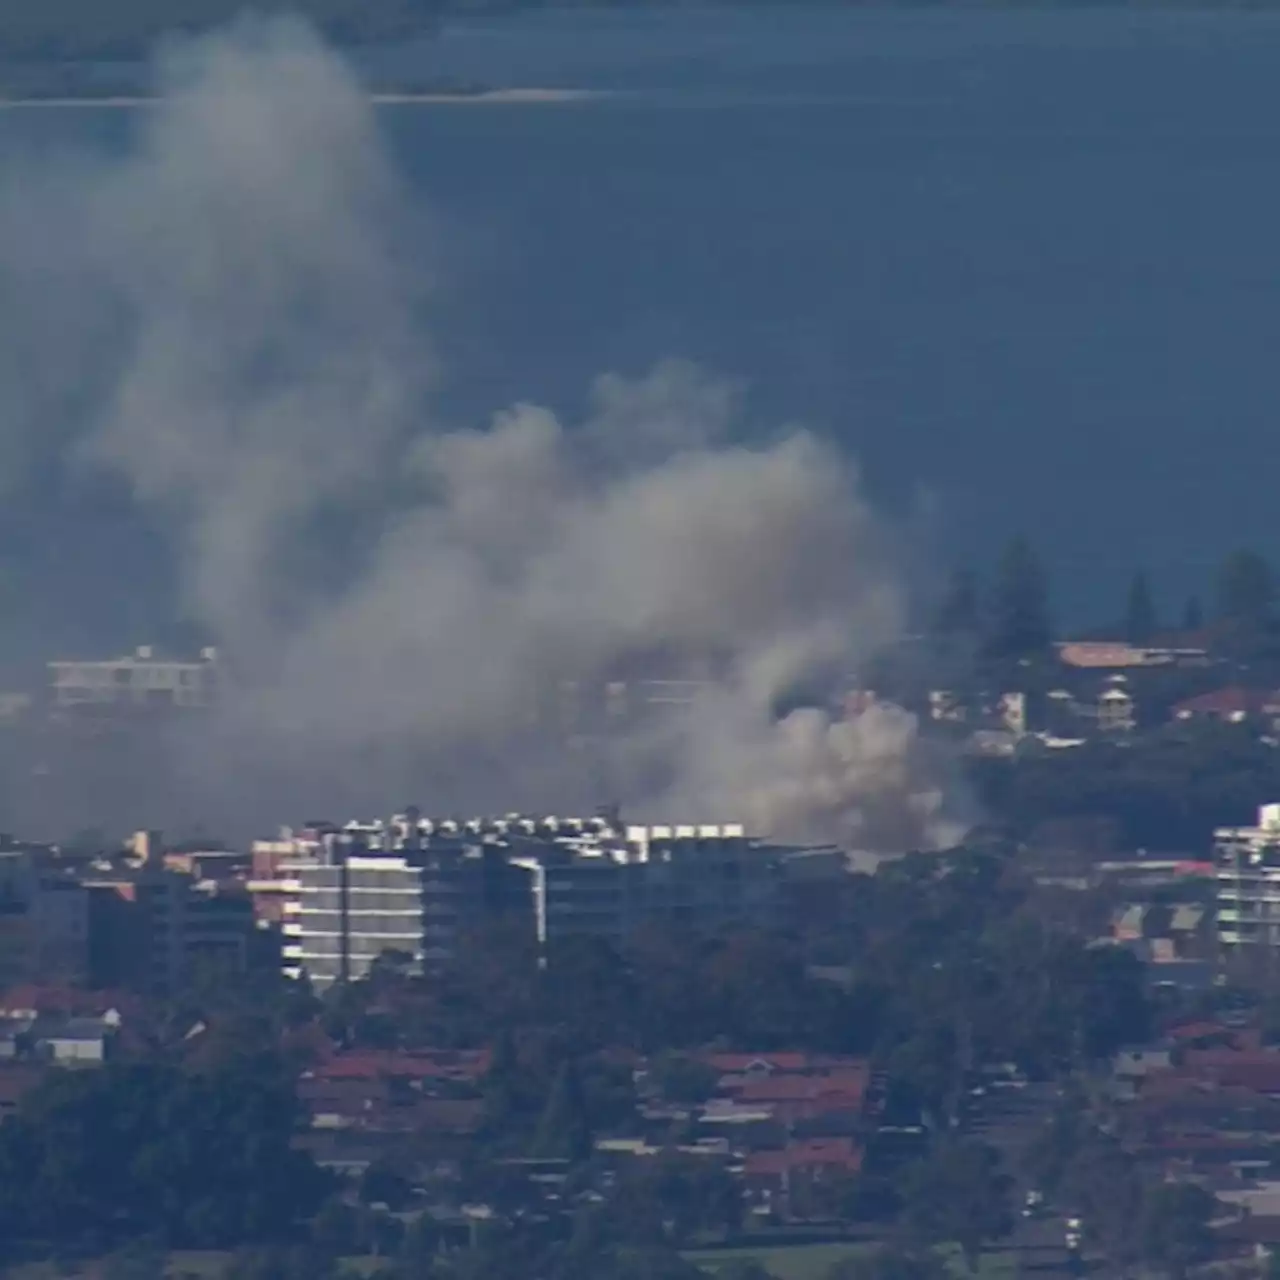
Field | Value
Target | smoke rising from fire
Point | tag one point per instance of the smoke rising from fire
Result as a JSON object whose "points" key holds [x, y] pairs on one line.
{"points": [[239, 309]]}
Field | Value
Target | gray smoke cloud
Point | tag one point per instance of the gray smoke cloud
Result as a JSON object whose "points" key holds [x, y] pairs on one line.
{"points": [[244, 305]]}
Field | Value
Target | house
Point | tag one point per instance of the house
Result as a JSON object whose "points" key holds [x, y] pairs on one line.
{"points": [[1117, 711], [802, 1180], [1231, 705], [74, 1041]]}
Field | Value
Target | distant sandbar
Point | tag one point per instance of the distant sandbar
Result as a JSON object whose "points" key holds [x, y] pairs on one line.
{"points": [[491, 97]]}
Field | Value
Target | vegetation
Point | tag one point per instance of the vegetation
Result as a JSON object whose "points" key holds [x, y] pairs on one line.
{"points": [[151, 1152]]}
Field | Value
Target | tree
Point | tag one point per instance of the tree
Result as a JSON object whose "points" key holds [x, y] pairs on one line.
{"points": [[1140, 622], [958, 1195], [960, 611], [1193, 614], [681, 1078], [1019, 614], [195, 1159], [1245, 591], [1174, 1227], [564, 1130]]}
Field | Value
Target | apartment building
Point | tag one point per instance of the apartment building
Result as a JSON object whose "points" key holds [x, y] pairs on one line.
{"points": [[415, 886], [156, 930], [1247, 865], [44, 920], [408, 888], [142, 679]]}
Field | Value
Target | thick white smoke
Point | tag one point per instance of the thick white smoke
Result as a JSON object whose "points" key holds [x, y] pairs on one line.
{"points": [[396, 597]]}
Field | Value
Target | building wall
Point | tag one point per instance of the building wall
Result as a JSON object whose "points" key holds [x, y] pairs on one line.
{"points": [[1247, 861], [140, 679]]}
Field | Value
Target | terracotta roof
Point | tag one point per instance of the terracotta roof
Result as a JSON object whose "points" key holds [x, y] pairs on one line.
{"points": [[735, 1063], [74, 1001], [817, 1153], [1199, 1031], [1234, 700], [419, 1065], [804, 1088]]}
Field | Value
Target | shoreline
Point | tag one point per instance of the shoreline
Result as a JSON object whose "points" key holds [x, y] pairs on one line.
{"points": [[488, 97]]}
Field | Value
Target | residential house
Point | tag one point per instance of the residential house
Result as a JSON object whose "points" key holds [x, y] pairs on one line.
{"points": [[802, 1181]]}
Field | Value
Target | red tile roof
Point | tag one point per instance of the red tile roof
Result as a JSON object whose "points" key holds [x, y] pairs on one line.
{"points": [[849, 1084], [817, 1153], [1231, 701], [736, 1063], [374, 1064], [74, 1001]]}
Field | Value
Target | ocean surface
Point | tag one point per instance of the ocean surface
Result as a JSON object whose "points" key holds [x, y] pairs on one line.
{"points": [[1025, 266]]}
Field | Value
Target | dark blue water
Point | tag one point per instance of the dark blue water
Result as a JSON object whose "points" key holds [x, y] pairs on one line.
{"points": [[1026, 266]]}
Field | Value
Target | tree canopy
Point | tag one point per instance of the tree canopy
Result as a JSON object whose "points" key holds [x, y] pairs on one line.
{"points": [[191, 1159]]}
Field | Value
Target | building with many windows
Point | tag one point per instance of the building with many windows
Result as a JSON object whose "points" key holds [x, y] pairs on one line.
{"points": [[1247, 864], [409, 889], [414, 887], [142, 679]]}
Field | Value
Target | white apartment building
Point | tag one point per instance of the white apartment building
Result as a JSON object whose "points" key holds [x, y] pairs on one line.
{"points": [[1248, 874], [410, 887], [139, 679], [415, 885]]}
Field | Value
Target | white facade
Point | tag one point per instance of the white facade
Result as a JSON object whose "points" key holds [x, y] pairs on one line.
{"points": [[1248, 873], [413, 884], [140, 679]]}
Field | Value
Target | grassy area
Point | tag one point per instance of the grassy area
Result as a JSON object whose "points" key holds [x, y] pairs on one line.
{"points": [[787, 1262], [813, 1261]]}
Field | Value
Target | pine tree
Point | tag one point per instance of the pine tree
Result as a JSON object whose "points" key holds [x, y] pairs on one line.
{"points": [[1140, 611], [960, 613], [1019, 625], [1246, 591], [502, 1087], [564, 1130]]}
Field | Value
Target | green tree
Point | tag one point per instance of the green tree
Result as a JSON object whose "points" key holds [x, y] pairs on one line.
{"points": [[1174, 1227], [1140, 622], [682, 1078], [564, 1129], [1019, 623], [960, 610], [958, 1195], [1246, 591], [193, 1158]]}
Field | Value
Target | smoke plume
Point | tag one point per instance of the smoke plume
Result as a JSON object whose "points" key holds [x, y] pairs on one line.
{"points": [[240, 305]]}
